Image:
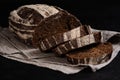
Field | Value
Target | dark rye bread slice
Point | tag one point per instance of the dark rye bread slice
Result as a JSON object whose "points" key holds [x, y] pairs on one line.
{"points": [[96, 54], [26, 18], [78, 43], [55, 40]]}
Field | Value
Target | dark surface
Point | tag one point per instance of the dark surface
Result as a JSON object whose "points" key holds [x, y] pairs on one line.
{"points": [[99, 14]]}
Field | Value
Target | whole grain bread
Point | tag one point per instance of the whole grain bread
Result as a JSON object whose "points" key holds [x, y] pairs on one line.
{"points": [[94, 54], [55, 24], [78, 43], [46, 18], [52, 41]]}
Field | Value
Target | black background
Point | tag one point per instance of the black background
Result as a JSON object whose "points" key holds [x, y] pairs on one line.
{"points": [[99, 14]]}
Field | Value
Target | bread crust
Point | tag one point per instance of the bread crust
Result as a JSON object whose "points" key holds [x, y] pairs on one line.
{"points": [[55, 40], [78, 43]]}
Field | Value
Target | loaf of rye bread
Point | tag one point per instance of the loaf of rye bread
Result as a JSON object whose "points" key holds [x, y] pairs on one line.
{"points": [[52, 41], [94, 54], [78, 43], [47, 19], [57, 23]]}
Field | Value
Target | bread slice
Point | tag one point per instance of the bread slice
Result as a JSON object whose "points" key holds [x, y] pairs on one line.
{"points": [[96, 54], [55, 40], [77, 43]]}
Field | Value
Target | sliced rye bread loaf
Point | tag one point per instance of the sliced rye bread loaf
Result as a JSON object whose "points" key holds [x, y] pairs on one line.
{"points": [[57, 23], [77, 43], [94, 54], [49, 19], [55, 40]]}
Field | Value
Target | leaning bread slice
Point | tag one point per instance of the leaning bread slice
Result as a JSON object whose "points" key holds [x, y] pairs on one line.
{"points": [[97, 54], [77, 43], [55, 40]]}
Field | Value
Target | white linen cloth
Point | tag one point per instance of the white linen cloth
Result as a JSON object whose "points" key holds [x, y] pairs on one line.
{"points": [[12, 48]]}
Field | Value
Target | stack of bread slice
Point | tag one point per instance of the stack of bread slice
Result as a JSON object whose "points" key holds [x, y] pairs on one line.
{"points": [[80, 46]]}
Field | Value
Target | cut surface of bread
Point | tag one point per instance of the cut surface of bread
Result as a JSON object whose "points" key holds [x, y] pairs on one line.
{"points": [[96, 54], [55, 40]]}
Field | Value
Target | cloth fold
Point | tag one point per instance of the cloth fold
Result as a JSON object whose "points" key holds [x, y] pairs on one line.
{"points": [[12, 48]]}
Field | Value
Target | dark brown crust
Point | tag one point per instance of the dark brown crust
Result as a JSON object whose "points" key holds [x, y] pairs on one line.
{"points": [[23, 32], [26, 41], [21, 26], [95, 62], [99, 53], [73, 21], [58, 39], [67, 47], [97, 36]]}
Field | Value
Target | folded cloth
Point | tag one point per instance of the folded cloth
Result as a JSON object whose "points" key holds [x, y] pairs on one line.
{"points": [[12, 48]]}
